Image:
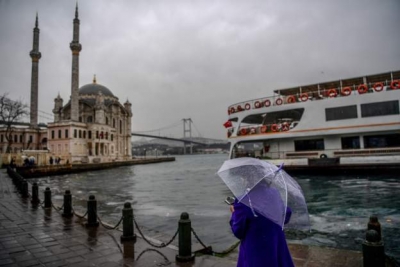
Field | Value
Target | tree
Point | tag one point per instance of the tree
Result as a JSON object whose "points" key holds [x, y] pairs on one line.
{"points": [[10, 113]]}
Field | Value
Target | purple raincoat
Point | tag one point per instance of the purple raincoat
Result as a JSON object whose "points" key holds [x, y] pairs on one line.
{"points": [[263, 243]]}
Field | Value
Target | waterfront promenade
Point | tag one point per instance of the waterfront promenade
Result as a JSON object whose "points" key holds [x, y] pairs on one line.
{"points": [[32, 236]]}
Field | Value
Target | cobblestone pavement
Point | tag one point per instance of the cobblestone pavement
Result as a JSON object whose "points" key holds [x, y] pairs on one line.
{"points": [[33, 236]]}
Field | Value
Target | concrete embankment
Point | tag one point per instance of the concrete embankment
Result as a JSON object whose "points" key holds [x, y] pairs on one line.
{"points": [[32, 172]]}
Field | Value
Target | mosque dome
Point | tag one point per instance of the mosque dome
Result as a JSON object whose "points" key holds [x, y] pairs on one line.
{"points": [[94, 88]]}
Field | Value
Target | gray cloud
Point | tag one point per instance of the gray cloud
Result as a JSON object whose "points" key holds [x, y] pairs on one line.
{"points": [[181, 59]]}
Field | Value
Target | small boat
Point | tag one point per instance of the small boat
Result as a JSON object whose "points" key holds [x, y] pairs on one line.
{"points": [[347, 124]]}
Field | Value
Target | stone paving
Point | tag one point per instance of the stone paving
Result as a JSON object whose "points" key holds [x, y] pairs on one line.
{"points": [[33, 236]]}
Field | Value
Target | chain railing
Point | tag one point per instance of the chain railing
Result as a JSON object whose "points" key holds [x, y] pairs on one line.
{"points": [[162, 245], [18, 181]]}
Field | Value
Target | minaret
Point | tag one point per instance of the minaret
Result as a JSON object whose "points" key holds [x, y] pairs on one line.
{"points": [[35, 55], [75, 48]]}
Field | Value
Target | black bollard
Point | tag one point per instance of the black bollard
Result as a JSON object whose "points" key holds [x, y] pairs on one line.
{"points": [[185, 239], [67, 204], [47, 198], [127, 223], [35, 194], [373, 250], [92, 212], [374, 224], [25, 190]]}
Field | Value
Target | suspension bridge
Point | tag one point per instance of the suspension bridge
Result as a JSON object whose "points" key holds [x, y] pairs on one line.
{"points": [[187, 134]]}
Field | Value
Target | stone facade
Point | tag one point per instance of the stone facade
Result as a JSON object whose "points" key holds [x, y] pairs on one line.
{"points": [[102, 132]]}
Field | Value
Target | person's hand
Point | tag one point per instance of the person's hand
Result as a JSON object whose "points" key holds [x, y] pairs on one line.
{"points": [[232, 209]]}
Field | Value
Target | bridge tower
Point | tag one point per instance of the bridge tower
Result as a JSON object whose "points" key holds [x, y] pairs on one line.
{"points": [[187, 128]]}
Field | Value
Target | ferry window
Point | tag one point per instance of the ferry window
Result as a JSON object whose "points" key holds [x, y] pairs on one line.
{"points": [[66, 133], [380, 108], [341, 113], [307, 145], [352, 142], [52, 134], [386, 140]]}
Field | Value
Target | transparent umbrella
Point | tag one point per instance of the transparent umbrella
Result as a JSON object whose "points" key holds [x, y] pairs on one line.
{"points": [[267, 190]]}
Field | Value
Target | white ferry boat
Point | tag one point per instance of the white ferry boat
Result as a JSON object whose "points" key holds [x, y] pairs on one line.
{"points": [[349, 124]]}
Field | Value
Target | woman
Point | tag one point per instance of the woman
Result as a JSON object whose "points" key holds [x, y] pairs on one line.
{"points": [[263, 242]]}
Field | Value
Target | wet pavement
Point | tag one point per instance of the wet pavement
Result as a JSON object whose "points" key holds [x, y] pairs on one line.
{"points": [[33, 236]]}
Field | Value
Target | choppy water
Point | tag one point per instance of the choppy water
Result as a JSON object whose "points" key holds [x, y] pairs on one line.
{"points": [[339, 206]]}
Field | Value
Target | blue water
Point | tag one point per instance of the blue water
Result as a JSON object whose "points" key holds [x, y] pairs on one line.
{"points": [[339, 206]]}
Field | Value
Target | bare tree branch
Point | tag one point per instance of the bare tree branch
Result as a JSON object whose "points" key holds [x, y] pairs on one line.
{"points": [[10, 113]]}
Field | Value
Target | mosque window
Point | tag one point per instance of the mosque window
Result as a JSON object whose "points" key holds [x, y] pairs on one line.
{"points": [[75, 133], [107, 120], [1, 138], [112, 137], [80, 134], [90, 134], [66, 133], [52, 134], [59, 133], [84, 134], [106, 136], [89, 119], [97, 134], [114, 123], [20, 138], [112, 149], [15, 138], [120, 126], [30, 139], [101, 135], [80, 119]]}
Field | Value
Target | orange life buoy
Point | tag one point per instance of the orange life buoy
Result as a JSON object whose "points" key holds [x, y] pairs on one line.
{"points": [[232, 110], [304, 97], [263, 129], [291, 99], [267, 103], [279, 101], [332, 92], [252, 130], [257, 104], [378, 87], [362, 88], [274, 127], [395, 84], [346, 91], [243, 131], [247, 106]]}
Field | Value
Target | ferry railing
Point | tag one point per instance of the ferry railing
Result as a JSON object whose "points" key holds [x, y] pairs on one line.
{"points": [[324, 93]]}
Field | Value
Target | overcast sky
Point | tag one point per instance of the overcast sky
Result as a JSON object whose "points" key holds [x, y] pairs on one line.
{"points": [[192, 59]]}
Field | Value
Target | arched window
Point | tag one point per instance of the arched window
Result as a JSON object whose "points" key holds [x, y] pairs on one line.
{"points": [[89, 119], [107, 120]]}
